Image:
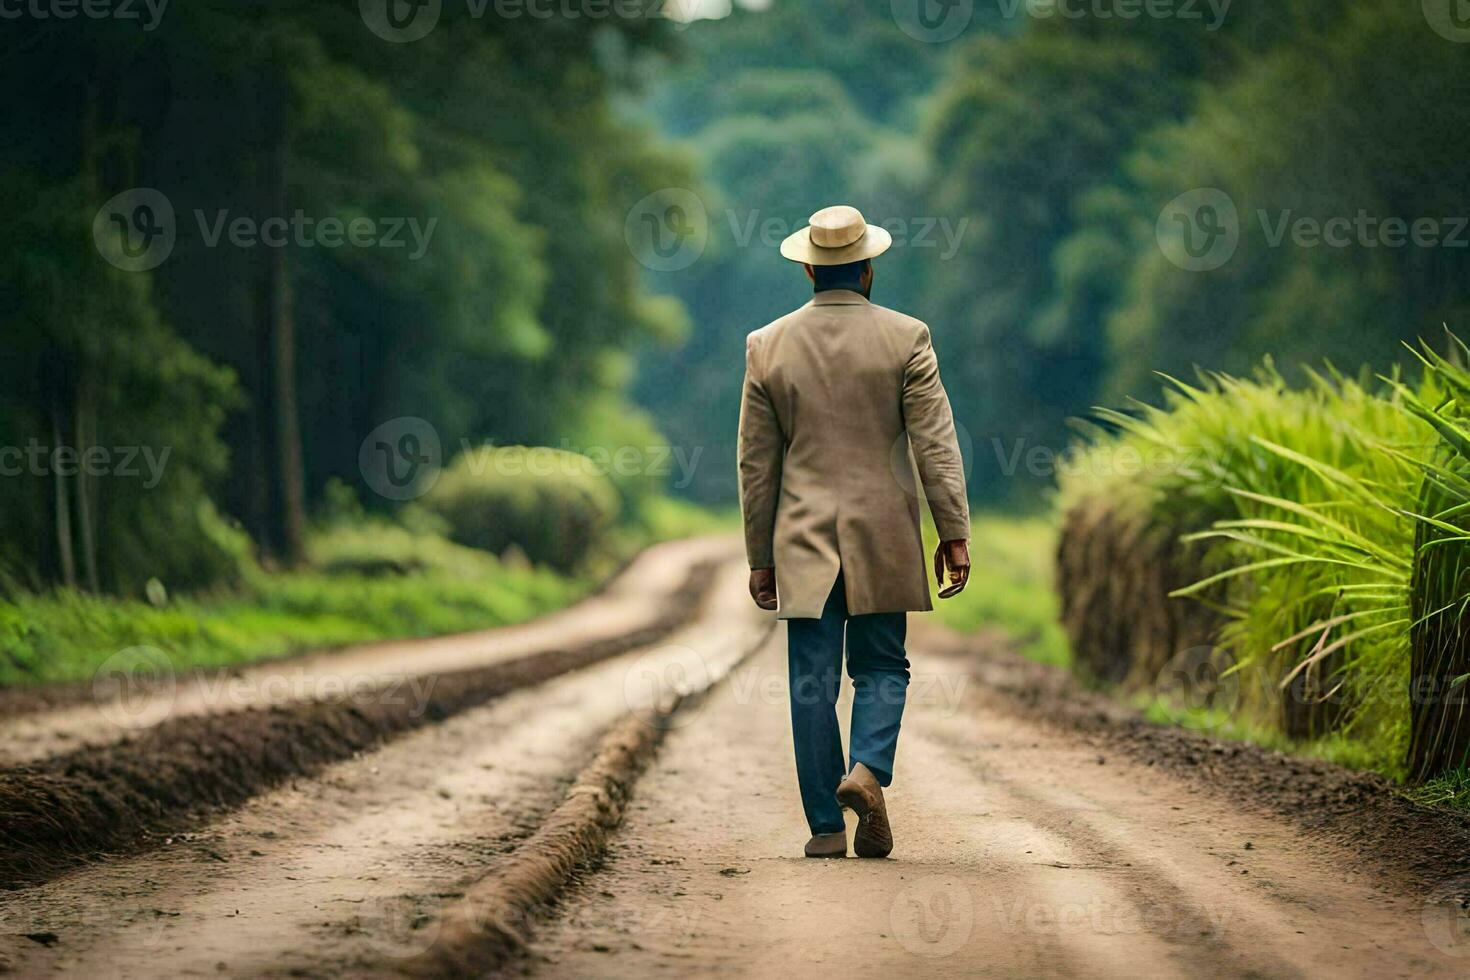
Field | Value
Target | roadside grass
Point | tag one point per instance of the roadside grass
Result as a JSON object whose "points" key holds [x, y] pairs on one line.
{"points": [[1337, 748], [1336, 513], [669, 518], [65, 635], [1450, 791], [1010, 584], [366, 579], [1303, 496]]}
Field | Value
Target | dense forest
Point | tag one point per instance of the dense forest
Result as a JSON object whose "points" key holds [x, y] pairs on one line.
{"points": [[448, 245], [1033, 167]]}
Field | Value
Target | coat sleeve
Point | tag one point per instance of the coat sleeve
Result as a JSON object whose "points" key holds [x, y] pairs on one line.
{"points": [[930, 425], [762, 448]]}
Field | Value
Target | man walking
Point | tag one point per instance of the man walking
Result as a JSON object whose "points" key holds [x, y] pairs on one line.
{"points": [[838, 395]]}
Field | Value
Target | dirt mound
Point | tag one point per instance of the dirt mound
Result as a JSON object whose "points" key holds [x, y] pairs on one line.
{"points": [[129, 794]]}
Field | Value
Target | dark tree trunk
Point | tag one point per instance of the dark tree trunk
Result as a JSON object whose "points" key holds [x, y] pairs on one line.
{"points": [[289, 511], [62, 500], [86, 421]]}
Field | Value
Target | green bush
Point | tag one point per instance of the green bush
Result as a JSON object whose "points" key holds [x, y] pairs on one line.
{"points": [[370, 582], [376, 548], [554, 506], [1305, 496]]}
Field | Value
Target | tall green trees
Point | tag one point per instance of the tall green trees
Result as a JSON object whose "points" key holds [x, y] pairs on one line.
{"points": [[493, 294], [1070, 140]]}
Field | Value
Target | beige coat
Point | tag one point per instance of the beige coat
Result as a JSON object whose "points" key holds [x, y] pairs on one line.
{"points": [[835, 395]]}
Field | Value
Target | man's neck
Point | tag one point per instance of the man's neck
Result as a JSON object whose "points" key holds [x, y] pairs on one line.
{"points": [[849, 287]]}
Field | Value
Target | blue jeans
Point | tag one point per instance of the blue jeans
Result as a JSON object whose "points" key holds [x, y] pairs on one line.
{"points": [[880, 679]]}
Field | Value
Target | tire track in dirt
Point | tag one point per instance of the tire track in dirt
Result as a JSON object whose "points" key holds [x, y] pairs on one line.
{"points": [[647, 596], [134, 793]]}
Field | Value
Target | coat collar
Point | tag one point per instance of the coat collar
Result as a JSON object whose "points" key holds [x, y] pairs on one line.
{"points": [[838, 297]]}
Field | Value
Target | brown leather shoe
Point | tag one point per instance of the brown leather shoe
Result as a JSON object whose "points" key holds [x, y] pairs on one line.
{"points": [[861, 794], [827, 845]]}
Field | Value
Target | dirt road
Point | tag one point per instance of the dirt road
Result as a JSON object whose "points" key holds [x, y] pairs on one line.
{"points": [[1025, 848], [1021, 852]]}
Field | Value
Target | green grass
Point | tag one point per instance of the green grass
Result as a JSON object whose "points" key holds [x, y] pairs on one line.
{"points": [[1451, 791], [667, 518], [1334, 512], [1302, 496], [366, 583], [1010, 585], [366, 579], [1338, 748]]}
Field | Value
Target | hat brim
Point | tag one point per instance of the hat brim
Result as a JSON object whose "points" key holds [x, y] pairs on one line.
{"points": [[798, 247]]}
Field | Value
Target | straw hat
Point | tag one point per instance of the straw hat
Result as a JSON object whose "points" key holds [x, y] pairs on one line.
{"points": [[836, 236]]}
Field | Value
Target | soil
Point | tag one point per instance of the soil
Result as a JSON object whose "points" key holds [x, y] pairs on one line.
{"points": [[1417, 846], [1025, 847], [130, 794], [346, 873], [649, 596], [1040, 829]]}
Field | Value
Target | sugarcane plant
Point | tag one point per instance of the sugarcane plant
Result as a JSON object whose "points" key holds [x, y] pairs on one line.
{"points": [[1439, 741]]}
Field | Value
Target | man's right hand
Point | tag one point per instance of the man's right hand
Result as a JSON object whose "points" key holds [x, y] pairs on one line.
{"points": [[763, 587], [954, 555]]}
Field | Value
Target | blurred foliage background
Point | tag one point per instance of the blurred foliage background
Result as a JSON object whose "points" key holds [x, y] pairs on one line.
{"points": [[1023, 162], [1049, 145]]}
